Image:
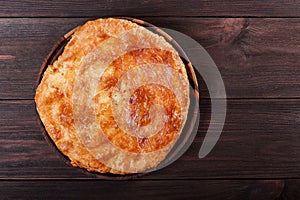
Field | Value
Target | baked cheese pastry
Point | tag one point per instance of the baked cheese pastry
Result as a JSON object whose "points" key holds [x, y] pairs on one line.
{"points": [[117, 98]]}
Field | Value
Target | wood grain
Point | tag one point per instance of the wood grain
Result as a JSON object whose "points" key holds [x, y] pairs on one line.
{"points": [[255, 45], [176, 189], [260, 140], [291, 190], [257, 58], [93, 8]]}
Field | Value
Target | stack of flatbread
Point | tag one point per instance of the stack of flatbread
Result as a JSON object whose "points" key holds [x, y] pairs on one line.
{"points": [[117, 98]]}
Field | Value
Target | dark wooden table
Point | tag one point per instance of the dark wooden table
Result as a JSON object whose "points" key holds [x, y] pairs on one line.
{"points": [[255, 44]]}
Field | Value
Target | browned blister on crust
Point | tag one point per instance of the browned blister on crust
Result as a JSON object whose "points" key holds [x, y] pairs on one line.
{"points": [[124, 127]]}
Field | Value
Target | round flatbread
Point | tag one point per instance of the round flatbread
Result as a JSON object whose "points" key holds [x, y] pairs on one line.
{"points": [[116, 99]]}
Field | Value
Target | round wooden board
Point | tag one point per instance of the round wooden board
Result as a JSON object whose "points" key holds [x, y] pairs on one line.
{"points": [[190, 128]]}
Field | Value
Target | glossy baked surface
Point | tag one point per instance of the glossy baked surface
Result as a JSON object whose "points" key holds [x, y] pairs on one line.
{"points": [[117, 98]]}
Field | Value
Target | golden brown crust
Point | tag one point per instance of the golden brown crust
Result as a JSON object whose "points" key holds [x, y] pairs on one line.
{"points": [[55, 98]]}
